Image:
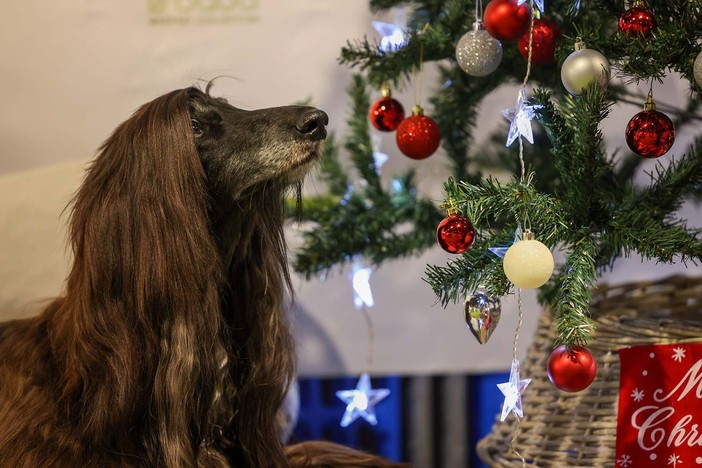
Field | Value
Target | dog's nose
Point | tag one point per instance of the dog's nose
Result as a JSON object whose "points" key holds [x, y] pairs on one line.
{"points": [[311, 124]]}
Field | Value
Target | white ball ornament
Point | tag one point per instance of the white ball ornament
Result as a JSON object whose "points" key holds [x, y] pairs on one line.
{"points": [[697, 69], [583, 67], [477, 52], [528, 264]]}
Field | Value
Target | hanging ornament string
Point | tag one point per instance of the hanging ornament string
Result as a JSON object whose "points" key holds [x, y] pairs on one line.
{"points": [[531, 41], [519, 323], [371, 337], [514, 356], [479, 10], [419, 82], [523, 179], [526, 220], [361, 401], [524, 83], [418, 136], [517, 429], [527, 225]]}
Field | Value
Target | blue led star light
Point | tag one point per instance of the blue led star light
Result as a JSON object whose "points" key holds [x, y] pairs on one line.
{"points": [[512, 391], [361, 401], [520, 119]]}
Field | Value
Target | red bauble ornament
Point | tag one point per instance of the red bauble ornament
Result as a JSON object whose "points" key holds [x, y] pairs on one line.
{"points": [[418, 136], [455, 234], [650, 133], [546, 36], [571, 369], [386, 113], [506, 21], [638, 21]]}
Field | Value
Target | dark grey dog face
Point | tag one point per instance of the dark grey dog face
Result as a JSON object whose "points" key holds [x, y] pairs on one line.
{"points": [[241, 149]]}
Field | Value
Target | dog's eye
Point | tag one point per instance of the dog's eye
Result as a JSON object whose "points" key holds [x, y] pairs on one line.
{"points": [[197, 128]]}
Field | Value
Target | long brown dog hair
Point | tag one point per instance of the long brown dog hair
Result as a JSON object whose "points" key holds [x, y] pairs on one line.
{"points": [[170, 346]]}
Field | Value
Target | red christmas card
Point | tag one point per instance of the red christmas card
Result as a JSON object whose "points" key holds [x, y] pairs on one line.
{"points": [[659, 422]]}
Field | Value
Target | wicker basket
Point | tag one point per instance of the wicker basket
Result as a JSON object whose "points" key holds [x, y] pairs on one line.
{"points": [[562, 429]]}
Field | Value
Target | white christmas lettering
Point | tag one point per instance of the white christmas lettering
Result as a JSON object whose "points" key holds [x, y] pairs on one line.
{"points": [[650, 436], [692, 378]]}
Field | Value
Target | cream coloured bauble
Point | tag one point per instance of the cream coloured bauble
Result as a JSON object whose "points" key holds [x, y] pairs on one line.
{"points": [[528, 264], [697, 68], [583, 67]]}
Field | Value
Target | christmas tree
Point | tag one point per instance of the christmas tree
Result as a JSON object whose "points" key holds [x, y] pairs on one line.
{"points": [[568, 191]]}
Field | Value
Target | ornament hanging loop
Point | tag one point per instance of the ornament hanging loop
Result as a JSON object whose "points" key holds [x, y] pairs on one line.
{"points": [[478, 12], [451, 208], [650, 105], [385, 90]]}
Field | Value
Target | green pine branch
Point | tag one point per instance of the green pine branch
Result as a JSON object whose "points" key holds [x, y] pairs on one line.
{"points": [[366, 219]]}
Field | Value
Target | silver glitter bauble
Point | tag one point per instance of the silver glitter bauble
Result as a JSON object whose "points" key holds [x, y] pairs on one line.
{"points": [[698, 69], [477, 52], [583, 67], [482, 315]]}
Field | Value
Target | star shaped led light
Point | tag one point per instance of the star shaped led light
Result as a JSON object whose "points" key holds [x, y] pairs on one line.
{"points": [[361, 401], [379, 158], [360, 280], [501, 251], [539, 4], [393, 36], [512, 391], [520, 119]]}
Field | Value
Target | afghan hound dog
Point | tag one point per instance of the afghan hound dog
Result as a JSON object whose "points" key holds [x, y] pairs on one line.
{"points": [[170, 346]]}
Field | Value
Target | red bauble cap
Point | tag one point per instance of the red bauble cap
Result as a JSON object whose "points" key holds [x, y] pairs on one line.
{"points": [[455, 234], [638, 21], [571, 369], [650, 133], [546, 36], [386, 113], [505, 20], [418, 136]]}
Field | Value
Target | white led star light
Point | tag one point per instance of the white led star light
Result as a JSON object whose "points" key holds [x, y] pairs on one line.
{"points": [[539, 4], [361, 401], [393, 36], [379, 158], [501, 251], [360, 280], [512, 391], [520, 119]]}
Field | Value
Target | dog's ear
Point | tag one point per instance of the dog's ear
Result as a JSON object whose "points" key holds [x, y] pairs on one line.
{"points": [[145, 279], [142, 210]]}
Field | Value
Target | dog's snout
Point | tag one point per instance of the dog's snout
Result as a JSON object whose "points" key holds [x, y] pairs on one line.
{"points": [[311, 124]]}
